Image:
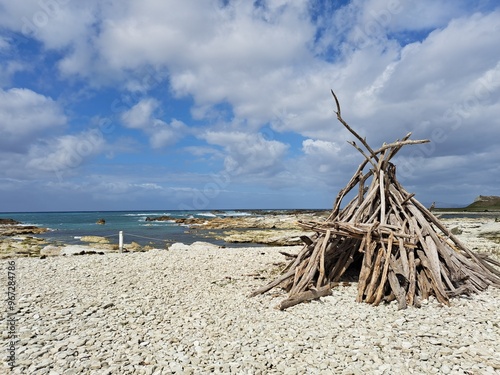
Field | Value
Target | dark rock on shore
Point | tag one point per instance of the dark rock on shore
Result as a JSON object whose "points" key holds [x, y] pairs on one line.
{"points": [[159, 218], [14, 230], [9, 222], [187, 221]]}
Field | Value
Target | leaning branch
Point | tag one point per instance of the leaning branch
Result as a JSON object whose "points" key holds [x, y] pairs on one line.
{"points": [[362, 140]]}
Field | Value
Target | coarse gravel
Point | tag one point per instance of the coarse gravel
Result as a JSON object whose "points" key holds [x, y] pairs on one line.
{"points": [[186, 310]]}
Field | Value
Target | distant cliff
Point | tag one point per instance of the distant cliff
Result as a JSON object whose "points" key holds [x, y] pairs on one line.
{"points": [[485, 202]]}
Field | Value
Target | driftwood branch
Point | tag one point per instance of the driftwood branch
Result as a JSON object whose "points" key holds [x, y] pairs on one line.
{"points": [[403, 252], [339, 117], [308, 295]]}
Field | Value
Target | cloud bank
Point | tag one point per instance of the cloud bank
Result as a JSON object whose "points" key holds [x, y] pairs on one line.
{"points": [[168, 94]]}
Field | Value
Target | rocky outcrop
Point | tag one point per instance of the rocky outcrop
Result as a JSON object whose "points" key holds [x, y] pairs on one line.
{"points": [[9, 222], [50, 250], [95, 239], [185, 221], [274, 229], [160, 218], [274, 221], [275, 237], [21, 247], [14, 230]]}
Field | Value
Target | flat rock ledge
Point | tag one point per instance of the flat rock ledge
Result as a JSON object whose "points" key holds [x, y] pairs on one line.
{"points": [[273, 237], [10, 230], [33, 247], [185, 311]]}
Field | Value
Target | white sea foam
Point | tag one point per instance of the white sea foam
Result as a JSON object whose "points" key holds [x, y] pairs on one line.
{"points": [[235, 213], [149, 214], [206, 214]]}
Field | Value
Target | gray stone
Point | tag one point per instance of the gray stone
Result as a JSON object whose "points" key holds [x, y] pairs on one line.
{"points": [[445, 369]]}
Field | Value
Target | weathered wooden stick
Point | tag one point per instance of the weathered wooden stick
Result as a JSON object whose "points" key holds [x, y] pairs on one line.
{"points": [[362, 140], [366, 265], [397, 290], [423, 284], [410, 294], [309, 271], [432, 281], [306, 240], [375, 276], [348, 211], [322, 259], [395, 150], [358, 232], [366, 203], [344, 263], [399, 144], [380, 290], [430, 250], [361, 187], [274, 283], [382, 197], [308, 295], [449, 283], [306, 250], [299, 273], [358, 175], [291, 271], [403, 254], [435, 221], [353, 144]]}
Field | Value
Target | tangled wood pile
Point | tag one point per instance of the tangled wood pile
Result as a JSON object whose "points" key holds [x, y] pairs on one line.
{"points": [[399, 249]]}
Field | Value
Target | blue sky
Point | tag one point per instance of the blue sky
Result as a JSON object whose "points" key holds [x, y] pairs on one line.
{"points": [[158, 104]]}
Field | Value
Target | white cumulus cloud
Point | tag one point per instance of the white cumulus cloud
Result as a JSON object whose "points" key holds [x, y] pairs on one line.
{"points": [[142, 116], [65, 153], [248, 153], [25, 114]]}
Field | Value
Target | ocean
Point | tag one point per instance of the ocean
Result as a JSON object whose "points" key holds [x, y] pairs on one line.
{"points": [[68, 227]]}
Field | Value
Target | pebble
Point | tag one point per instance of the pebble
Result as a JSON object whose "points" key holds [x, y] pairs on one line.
{"points": [[445, 369], [187, 311]]}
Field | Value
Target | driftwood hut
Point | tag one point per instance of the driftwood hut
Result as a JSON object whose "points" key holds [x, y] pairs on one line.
{"points": [[398, 248]]}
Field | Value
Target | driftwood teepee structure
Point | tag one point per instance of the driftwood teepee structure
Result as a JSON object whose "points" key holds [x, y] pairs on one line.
{"points": [[399, 248]]}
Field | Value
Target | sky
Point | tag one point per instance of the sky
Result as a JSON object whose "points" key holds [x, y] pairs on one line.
{"points": [[226, 104]]}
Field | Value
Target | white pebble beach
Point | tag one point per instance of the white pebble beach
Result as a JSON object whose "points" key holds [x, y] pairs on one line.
{"points": [[186, 310]]}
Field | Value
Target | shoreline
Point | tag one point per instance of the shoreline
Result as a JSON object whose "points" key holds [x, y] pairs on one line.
{"points": [[438, 212], [268, 229], [276, 229]]}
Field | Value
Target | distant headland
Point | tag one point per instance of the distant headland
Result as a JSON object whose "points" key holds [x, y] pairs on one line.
{"points": [[483, 203]]}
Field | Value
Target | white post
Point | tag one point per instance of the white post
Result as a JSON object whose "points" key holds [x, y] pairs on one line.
{"points": [[120, 240]]}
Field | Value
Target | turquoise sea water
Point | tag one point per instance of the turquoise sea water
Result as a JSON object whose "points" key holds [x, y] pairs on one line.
{"points": [[67, 227]]}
